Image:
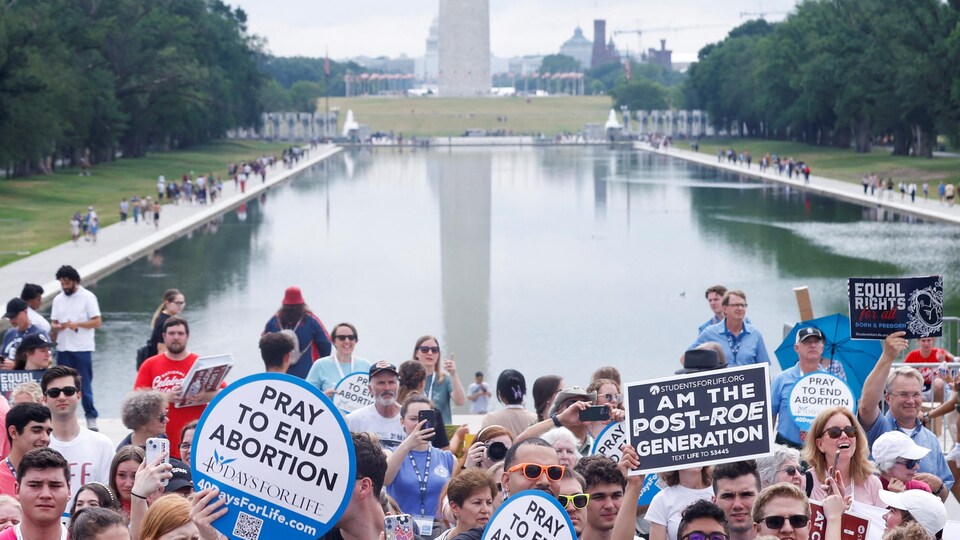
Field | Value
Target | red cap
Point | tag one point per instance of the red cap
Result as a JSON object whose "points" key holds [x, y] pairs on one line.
{"points": [[293, 297]]}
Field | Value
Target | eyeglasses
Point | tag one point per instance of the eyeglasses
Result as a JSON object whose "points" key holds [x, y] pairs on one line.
{"points": [[737, 306], [533, 471], [791, 470], [700, 535], [906, 395], [67, 391], [908, 463], [776, 522], [580, 500], [834, 432], [162, 417], [424, 349], [612, 398], [346, 337], [185, 446]]}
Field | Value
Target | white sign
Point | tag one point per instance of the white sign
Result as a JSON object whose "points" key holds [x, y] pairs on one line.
{"points": [[281, 455], [353, 392], [530, 515], [816, 392], [609, 441]]}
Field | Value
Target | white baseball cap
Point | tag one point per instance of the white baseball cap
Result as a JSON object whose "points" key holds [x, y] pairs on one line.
{"points": [[925, 507], [896, 444]]}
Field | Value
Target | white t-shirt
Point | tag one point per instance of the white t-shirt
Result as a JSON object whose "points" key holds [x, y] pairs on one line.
{"points": [[89, 456], [367, 419], [37, 320], [668, 505], [80, 306]]}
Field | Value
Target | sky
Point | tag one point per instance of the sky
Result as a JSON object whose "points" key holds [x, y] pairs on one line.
{"points": [[350, 28]]}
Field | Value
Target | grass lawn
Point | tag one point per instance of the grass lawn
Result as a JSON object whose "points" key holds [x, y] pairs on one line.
{"points": [[432, 116], [846, 164], [35, 211]]}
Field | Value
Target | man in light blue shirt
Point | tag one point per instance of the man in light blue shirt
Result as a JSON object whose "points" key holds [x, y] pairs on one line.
{"points": [[901, 389], [714, 297], [741, 342], [809, 347]]}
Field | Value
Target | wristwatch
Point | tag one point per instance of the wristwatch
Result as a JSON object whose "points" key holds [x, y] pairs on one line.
{"points": [[556, 421]]}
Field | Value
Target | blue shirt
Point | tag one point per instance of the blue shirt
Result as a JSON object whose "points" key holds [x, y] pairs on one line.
{"points": [[324, 373], [314, 343], [780, 403], [13, 337], [405, 488], [745, 349], [933, 463]]}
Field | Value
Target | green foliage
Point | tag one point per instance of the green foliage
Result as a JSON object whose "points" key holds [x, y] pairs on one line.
{"points": [[289, 70], [838, 73], [304, 95], [80, 76], [640, 94], [559, 63]]}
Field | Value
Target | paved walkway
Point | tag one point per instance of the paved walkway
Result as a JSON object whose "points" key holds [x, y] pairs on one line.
{"points": [[930, 209], [120, 244]]}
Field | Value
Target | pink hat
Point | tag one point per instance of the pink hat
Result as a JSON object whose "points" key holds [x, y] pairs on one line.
{"points": [[293, 297]]}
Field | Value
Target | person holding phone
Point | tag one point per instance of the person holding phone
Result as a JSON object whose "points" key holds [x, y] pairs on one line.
{"points": [[574, 408], [836, 447], [442, 385], [416, 471]]}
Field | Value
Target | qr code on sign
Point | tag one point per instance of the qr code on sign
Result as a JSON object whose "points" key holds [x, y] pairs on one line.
{"points": [[247, 527]]}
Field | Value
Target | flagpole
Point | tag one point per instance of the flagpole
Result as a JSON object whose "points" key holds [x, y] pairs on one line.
{"points": [[326, 92]]}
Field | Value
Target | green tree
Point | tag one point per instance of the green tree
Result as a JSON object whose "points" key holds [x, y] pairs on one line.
{"points": [[640, 94], [559, 63], [304, 95]]}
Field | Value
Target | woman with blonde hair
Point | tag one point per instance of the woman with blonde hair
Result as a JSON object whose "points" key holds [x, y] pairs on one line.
{"points": [[10, 512], [171, 304], [834, 432], [440, 388]]}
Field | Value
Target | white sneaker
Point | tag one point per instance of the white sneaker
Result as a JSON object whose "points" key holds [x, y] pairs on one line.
{"points": [[954, 455]]}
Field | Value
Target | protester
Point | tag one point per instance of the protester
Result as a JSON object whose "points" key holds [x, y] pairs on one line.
{"points": [[145, 413], [443, 385], [714, 296], [489, 447], [741, 341], [684, 486], [703, 520], [565, 443], [809, 349], [511, 388], [735, 488], [471, 501], [95, 495], [28, 427], [43, 487], [604, 485], [531, 464], [312, 337], [98, 524], [88, 453], [34, 353], [26, 392], [169, 517], [915, 505], [545, 390], [329, 370], [412, 379], [566, 413], [186, 441], [75, 316], [20, 327], [276, 349], [363, 517], [836, 430], [123, 473], [781, 466], [897, 458], [382, 417], [171, 305], [10, 512], [32, 294], [783, 511]]}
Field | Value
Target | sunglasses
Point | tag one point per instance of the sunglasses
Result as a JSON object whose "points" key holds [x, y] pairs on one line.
{"points": [[346, 337], [533, 471], [776, 522], [834, 432], [67, 391], [700, 535], [424, 349], [162, 417], [580, 500], [612, 398], [792, 470], [908, 463]]}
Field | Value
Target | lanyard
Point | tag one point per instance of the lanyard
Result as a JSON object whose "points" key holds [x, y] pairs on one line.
{"points": [[10, 466], [735, 342], [336, 362], [422, 481], [430, 386]]}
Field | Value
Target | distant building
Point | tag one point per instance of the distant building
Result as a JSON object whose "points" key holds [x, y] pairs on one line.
{"points": [[525, 65], [383, 64], [429, 66], [661, 57], [578, 48], [464, 47], [602, 52]]}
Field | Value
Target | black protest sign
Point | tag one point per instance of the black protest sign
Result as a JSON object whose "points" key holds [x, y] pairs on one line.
{"points": [[699, 419], [11, 379], [881, 306]]}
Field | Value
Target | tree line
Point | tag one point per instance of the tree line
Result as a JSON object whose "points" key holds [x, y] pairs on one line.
{"points": [[839, 73], [86, 80]]}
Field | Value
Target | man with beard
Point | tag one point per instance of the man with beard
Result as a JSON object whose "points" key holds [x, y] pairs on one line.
{"points": [[165, 372], [605, 485], [531, 464], [382, 418], [735, 487], [74, 318], [573, 498]]}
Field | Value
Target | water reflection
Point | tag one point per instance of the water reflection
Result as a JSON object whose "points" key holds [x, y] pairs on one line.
{"points": [[549, 260]]}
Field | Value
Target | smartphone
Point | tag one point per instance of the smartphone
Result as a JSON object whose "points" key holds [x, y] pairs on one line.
{"points": [[155, 447], [430, 416], [595, 414], [836, 461], [398, 527]]}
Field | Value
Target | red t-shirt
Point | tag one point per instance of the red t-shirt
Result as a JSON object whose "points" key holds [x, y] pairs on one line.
{"points": [[161, 373], [914, 357]]}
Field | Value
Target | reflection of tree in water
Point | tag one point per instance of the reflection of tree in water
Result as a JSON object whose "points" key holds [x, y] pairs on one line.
{"points": [[209, 259]]}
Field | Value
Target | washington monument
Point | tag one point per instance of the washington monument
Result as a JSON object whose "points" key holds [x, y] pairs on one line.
{"points": [[464, 48]]}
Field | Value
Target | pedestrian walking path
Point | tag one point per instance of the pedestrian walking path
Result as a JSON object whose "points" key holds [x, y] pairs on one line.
{"points": [[119, 244], [931, 209]]}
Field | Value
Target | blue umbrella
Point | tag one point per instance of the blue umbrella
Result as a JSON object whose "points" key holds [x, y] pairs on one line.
{"points": [[857, 356]]}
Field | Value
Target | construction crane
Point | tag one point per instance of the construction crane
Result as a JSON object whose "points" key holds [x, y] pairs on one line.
{"points": [[639, 32]]}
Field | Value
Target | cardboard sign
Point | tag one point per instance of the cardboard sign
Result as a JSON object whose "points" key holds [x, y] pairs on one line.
{"points": [[281, 455], [852, 526], [11, 379], [879, 307], [353, 392], [699, 419], [816, 392], [530, 515]]}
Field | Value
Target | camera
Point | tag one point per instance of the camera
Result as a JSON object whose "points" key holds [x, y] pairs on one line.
{"points": [[496, 451]]}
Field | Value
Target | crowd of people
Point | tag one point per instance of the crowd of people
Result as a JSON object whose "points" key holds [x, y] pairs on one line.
{"points": [[883, 465]]}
